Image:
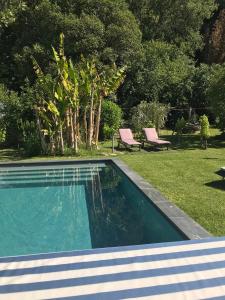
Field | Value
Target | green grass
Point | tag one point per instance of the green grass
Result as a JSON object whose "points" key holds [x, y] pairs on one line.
{"points": [[185, 175]]}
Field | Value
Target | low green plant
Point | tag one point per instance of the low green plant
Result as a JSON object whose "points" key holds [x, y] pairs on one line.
{"points": [[204, 131], [180, 125], [31, 142]]}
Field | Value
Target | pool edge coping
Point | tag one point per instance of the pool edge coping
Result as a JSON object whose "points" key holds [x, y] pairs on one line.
{"points": [[185, 223], [191, 229]]}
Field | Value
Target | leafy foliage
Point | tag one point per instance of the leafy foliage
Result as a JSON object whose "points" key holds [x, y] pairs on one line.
{"points": [[111, 118], [93, 28], [158, 40], [151, 114], [165, 75], [9, 10], [175, 21], [11, 113], [216, 95], [180, 125], [74, 101], [204, 132]]}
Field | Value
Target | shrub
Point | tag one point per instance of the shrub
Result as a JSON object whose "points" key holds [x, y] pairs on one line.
{"points": [[180, 125], [149, 114], [204, 131], [31, 142], [111, 118]]}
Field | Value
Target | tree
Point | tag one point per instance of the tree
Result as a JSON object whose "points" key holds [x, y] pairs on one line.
{"points": [[216, 94], [177, 22], [200, 83], [9, 10], [96, 85], [165, 76], [104, 29]]}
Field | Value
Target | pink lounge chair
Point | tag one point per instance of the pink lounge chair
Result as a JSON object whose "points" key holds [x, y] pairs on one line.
{"points": [[127, 139], [152, 138]]}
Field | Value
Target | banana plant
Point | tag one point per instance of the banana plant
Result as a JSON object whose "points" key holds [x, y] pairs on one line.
{"points": [[109, 82], [88, 84], [76, 93]]}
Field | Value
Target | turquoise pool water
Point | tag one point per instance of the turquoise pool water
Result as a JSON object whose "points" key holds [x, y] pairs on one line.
{"points": [[81, 206]]}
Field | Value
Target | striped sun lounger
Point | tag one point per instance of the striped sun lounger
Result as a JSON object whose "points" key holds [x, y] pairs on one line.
{"points": [[180, 270]]}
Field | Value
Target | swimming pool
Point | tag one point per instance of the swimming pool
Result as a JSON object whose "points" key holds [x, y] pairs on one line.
{"points": [[51, 208]]}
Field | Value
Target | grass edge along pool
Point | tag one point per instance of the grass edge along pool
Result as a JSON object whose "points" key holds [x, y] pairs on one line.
{"points": [[114, 212]]}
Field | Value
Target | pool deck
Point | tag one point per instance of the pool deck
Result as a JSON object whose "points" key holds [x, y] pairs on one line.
{"points": [[178, 270]]}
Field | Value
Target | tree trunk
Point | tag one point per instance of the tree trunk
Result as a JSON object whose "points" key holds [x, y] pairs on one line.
{"points": [[42, 138], [75, 131], [68, 128], [61, 140], [52, 145], [79, 141], [113, 143], [90, 129], [97, 126], [72, 129], [85, 125]]}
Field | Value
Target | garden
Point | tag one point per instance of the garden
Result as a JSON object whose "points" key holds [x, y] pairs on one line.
{"points": [[72, 73]]}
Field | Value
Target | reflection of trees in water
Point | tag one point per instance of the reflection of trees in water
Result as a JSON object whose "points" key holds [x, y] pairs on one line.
{"points": [[112, 221]]}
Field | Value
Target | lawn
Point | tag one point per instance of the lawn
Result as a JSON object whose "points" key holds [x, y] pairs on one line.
{"points": [[184, 174]]}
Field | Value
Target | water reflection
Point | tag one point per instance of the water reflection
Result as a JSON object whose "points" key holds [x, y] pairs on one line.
{"points": [[76, 208]]}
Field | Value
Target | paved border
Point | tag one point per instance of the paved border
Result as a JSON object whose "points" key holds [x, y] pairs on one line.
{"points": [[183, 222], [186, 224]]}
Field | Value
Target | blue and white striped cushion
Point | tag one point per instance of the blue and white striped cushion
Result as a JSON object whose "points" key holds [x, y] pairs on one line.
{"points": [[181, 270]]}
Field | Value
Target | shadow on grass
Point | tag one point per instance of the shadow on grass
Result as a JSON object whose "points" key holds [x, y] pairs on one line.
{"points": [[10, 154], [149, 148], [192, 141], [218, 184], [129, 149]]}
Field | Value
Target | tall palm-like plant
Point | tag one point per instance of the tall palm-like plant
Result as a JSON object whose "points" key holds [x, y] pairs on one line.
{"points": [[109, 82], [76, 91], [67, 92], [96, 86], [88, 83]]}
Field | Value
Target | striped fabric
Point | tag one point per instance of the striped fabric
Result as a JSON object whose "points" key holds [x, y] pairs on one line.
{"points": [[181, 270]]}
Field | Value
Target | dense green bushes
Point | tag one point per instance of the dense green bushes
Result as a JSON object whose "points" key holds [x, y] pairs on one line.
{"points": [[153, 114], [216, 95], [158, 40]]}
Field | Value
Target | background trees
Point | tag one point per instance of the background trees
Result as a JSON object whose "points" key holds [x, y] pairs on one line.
{"points": [[174, 21], [216, 95], [160, 42]]}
